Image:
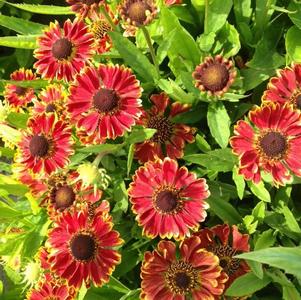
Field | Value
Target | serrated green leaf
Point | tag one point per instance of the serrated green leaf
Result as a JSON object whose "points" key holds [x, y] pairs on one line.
{"points": [[239, 182], [20, 41]]}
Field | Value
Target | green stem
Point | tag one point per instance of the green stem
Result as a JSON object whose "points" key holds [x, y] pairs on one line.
{"points": [[98, 158], [206, 16], [108, 18], [151, 48]]}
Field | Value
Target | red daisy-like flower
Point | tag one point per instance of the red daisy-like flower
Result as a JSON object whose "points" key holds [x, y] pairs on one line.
{"points": [[226, 242], [170, 138], [62, 53], [17, 96], [82, 247], [105, 102], [53, 99], [271, 142], [168, 200], [46, 144], [286, 87], [214, 75], [85, 8], [194, 274]]}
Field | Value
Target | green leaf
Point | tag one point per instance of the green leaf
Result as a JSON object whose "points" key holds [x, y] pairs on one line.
{"points": [[165, 45], [121, 198], [265, 239], [8, 212], [20, 25], [206, 41], [43, 9], [202, 143], [36, 84], [132, 295], [285, 258], [19, 120], [239, 182], [260, 191], [219, 123], [221, 160], [247, 284], [293, 44], [14, 189], [140, 134], [115, 284], [290, 219], [20, 41], [105, 148], [130, 158], [295, 14], [256, 268], [134, 57]]}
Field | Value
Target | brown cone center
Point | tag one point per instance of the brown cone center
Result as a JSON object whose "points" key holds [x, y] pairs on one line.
{"points": [[64, 197], [215, 77], [225, 254], [62, 49], [38, 146], [273, 144], [137, 11], [20, 91], [182, 280], [50, 107], [298, 101], [164, 129], [83, 247], [166, 201], [105, 100]]}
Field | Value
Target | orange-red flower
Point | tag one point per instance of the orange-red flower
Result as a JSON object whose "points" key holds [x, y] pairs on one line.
{"points": [[226, 241], [270, 142], [170, 138], [193, 274], [82, 247], [286, 87], [168, 200], [63, 52], [17, 96], [46, 145], [104, 102], [172, 2], [214, 75], [85, 8]]}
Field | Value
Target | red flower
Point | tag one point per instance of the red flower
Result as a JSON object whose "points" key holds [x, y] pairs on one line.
{"points": [[215, 75], [169, 135], [272, 143], [17, 96], [193, 274], [226, 242], [172, 2], [286, 87], [62, 53], [168, 200], [85, 8], [82, 247], [105, 102], [46, 145]]}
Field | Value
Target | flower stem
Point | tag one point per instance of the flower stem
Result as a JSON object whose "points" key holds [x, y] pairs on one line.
{"points": [[206, 16], [151, 48], [108, 18]]}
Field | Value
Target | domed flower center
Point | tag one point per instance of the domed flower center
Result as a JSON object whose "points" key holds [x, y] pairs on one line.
{"points": [[100, 29], [166, 201], [164, 129], [50, 107], [214, 77], [83, 247], [137, 11], [225, 254], [20, 91], [64, 197], [62, 49], [273, 144], [181, 277], [298, 101], [38, 146], [105, 100]]}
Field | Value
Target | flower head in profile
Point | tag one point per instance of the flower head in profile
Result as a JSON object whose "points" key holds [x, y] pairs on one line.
{"points": [[226, 241], [286, 87], [17, 96], [63, 52], [170, 138], [83, 247], [45, 145], [168, 200], [85, 8], [193, 274], [214, 75], [270, 141], [105, 101]]}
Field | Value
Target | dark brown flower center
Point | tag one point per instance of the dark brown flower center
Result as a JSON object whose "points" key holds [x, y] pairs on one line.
{"points": [[20, 91], [166, 201], [83, 247], [164, 129], [100, 29], [137, 11], [298, 101], [273, 144], [64, 197], [214, 77], [225, 254], [50, 107], [62, 49], [38, 146], [105, 100], [181, 277]]}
